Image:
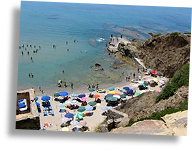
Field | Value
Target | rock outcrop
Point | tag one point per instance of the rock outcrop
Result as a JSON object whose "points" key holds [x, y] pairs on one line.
{"points": [[164, 53], [172, 124], [144, 105]]}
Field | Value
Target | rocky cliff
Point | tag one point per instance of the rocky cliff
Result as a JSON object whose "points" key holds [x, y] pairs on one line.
{"points": [[171, 124], [164, 53], [144, 105]]}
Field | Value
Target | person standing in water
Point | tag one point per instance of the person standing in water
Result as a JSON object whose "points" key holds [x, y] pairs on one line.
{"points": [[71, 85]]}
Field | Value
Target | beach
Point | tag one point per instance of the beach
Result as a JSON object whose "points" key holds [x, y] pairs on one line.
{"points": [[97, 118]]}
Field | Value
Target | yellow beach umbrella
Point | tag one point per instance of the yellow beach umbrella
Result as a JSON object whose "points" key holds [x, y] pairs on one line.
{"points": [[111, 92], [65, 129], [155, 80]]}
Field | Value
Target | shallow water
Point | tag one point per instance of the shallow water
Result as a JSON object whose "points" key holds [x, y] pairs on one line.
{"points": [[45, 24]]}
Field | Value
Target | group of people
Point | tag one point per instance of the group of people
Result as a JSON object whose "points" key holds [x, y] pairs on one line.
{"points": [[31, 75], [93, 86]]}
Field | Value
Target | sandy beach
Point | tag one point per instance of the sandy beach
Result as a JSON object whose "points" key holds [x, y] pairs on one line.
{"points": [[97, 117]]}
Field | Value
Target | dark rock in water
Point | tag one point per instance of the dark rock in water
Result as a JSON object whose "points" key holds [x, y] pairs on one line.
{"points": [[97, 65]]}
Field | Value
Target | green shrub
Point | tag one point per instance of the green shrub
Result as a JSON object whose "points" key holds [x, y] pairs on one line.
{"points": [[159, 34], [180, 78], [175, 33], [187, 32]]}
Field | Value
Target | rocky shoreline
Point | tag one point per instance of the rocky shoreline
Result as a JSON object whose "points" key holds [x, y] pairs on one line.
{"points": [[165, 54]]}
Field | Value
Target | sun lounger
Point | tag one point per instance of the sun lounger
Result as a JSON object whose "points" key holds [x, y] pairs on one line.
{"points": [[51, 113], [50, 108], [45, 113], [45, 108], [62, 110]]}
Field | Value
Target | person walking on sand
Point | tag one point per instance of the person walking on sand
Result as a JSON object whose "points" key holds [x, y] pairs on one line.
{"points": [[126, 78], [97, 86], [134, 75], [65, 84], [71, 85], [129, 78], [89, 86]]}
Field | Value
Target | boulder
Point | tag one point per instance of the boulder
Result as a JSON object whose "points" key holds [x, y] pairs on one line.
{"points": [[177, 122], [148, 127]]}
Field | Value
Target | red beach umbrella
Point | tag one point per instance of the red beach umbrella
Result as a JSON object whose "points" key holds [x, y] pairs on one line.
{"points": [[96, 96]]}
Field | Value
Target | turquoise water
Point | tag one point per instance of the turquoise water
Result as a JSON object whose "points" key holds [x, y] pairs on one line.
{"points": [[46, 23]]}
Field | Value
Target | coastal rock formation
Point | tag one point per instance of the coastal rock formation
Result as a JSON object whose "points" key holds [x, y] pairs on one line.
{"points": [[172, 124], [147, 127], [144, 105], [164, 53]]}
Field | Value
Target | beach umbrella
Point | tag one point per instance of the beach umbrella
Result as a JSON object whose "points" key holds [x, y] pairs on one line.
{"points": [[149, 69], [61, 104], [126, 88], [83, 98], [74, 102], [141, 84], [111, 92], [137, 93], [111, 88], [65, 129], [56, 94], [92, 103], [65, 119], [74, 95], [122, 96], [69, 115], [81, 109], [63, 93], [91, 90], [81, 95], [96, 96], [108, 95], [155, 80], [74, 123], [117, 96], [78, 115], [153, 71], [46, 98], [88, 108], [129, 91], [112, 99], [36, 99], [67, 102]]}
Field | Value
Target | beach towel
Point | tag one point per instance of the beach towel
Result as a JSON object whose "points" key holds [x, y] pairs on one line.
{"points": [[22, 105]]}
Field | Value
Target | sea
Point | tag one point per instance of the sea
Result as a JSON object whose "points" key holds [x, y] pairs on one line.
{"points": [[80, 33]]}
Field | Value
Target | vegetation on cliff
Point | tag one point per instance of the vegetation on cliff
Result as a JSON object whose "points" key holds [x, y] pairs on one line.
{"points": [[180, 78], [157, 115]]}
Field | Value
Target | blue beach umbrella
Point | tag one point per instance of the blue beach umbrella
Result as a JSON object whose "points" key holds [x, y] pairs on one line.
{"points": [[126, 88], [111, 88], [69, 115], [108, 95], [129, 91], [63, 93], [74, 95], [45, 98], [88, 108], [81, 95]]}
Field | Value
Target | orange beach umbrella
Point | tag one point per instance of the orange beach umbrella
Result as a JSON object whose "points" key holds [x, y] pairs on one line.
{"points": [[96, 96]]}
